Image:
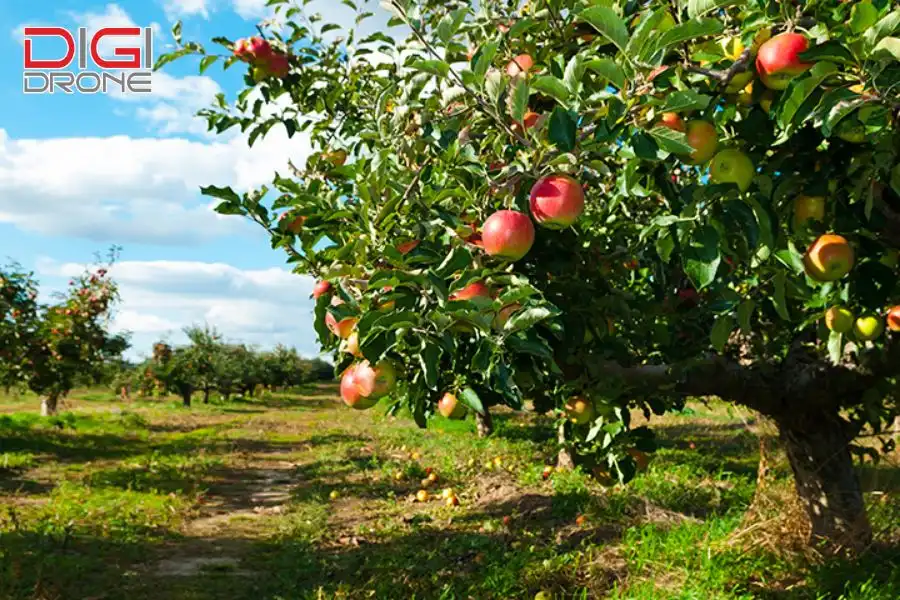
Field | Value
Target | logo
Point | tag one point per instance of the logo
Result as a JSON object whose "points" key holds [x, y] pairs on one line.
{"points": [[130, 70]]}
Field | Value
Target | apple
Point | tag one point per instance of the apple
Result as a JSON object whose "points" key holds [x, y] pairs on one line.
{"points": [[505, 313], [640, 458], [407, 247], [829, 258], [295, 225], [520, 65], [672, 121], [839, 319], [452, 500], [556, 201], [778, 60], [893, 318], [477, 289], [342, 329], [808, 207], [351, 345], [732, 166], [350, 392], [702, 137], [336, 157], [278, 65], [253, 48], [739, 82], [507, 234], [579, 410], [377, 381], [766, 100], [543, 595], [321, 287], [530, 119], [450, 406], [867, 328], [422, 496], [851, 130]]}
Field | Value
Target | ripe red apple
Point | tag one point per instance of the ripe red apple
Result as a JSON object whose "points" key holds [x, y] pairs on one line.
{"points": [[253, 48], [321, 287], [556, 201], [450, 406], [893, 318], [505, 313], [702, 137], [351, 345], [867, 328], [530, 119], [350, 391], [579, 410], [829, 258], [520, 65], [808, 207], [407, 247], [839, 319], [342, 329], [507, 234], [278, 65], [474, 290], [732, 166], [672, 121], [375, 381], [778, 62]]}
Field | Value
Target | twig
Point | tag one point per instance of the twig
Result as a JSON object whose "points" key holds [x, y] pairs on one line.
{"points": [[725, 77], [407, 193]]}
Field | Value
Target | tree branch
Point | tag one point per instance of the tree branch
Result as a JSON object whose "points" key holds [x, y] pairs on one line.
{"points": [[724, 77]]}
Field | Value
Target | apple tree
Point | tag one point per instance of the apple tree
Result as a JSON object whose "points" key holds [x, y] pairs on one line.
{"points": [[598, 206]]}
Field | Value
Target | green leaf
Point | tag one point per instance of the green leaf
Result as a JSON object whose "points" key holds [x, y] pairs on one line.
{"points": [[493, 86], [459, 258], [839, 109], [888, 47], [521, 26], [688, 30], [483, 58], [831, 50], [800, 90], [791, 258], [671, 140], [176, 32], [562, 129], [573, 74], [721, 331], [608, 69], [701, 258], [745, 313], [222, 193], [698, 8], [645, 28], [664, 246], [435, 67], [207, 61], [885, 27], [778, 299], [430, 360], [527, 318], [835, 347], [863, 15], [471, 399], [684, 101], [518, 99], [608, 23], [551, 86]]}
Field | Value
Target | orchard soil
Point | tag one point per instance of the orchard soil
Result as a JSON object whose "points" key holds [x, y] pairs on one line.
{"points": [[294, 496]]}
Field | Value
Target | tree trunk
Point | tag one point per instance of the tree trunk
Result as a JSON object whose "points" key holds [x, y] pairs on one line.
{"points": [[49, 405], [186, 397], [205, 395], [484, 424], [564, 459], [817, 447]]}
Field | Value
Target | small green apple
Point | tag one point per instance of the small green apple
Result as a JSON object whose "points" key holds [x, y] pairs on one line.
{"points": [[839, 319], [732, 166], [867, 328]]}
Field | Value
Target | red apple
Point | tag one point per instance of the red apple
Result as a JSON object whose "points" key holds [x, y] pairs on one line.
{"points": [[505, 313], [278, 65], [507, 234], [520, 65], [829, 258], [893, 318], [407, 247], [702, 137], [450, 406], [556, 201], [672, 121], [375, 381], [351, 393], [342, 329], [321, 287], [474, 290], [778, 62]]}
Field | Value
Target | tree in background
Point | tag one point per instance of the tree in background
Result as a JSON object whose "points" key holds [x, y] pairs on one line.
{"points": [[50, 347], [602, 206]]}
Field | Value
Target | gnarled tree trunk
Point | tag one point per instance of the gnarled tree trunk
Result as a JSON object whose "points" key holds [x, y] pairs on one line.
{"points": [[484, 424], [49, 405], [817, 446], [206, 395]]}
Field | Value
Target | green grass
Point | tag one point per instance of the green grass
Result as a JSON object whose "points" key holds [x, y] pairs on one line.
{"points": [[293, 496]]}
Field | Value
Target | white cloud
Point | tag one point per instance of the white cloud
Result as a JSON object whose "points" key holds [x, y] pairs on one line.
{"points": [[160, 298], [252, 9], [185, 8], [113, 16], [121, 189]]}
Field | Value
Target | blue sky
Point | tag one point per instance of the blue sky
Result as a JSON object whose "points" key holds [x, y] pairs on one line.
{"points": [[81, 173]]}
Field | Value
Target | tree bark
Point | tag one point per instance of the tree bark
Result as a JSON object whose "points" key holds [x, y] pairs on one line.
{"points": [[186, 397], [484, 424], [564, 459], [826, 482], [205, 395], [49, 405]]}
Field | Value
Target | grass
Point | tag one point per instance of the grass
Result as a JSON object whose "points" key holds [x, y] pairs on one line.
{"points": [[293, 496]]}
